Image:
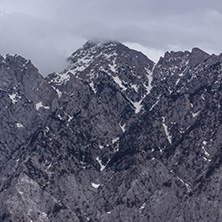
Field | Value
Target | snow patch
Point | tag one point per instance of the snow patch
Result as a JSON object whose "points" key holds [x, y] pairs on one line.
{"points": [[116, 148], [19, 125], [115, 140], [81, 64], [47, 129], [48, 167], [150, 79], [40, 105], [108, 56], [186, 184], [170, 91], [102, 167], [169, 137], [202, 96], [61, 78], [21, 193], [182, 74], [204, 143], [135, 87], [204, 149], [195, 114], [43, 215], [95, 185], [14, 97], [69, 117], [60, 117], [158, 99], [113, 67], [93, 87], [177, 82], [138, 106], [119, 82], [205, 159], [123, 127], [142, 207], [59, 93]]}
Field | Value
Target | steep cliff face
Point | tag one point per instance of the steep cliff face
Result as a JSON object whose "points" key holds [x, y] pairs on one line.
{"points": [[114, 137], [25, 103]]}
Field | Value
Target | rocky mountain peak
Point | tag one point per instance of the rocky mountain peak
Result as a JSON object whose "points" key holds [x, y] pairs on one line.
{"points": [[15, 66], [114, 137], [197, 56], [128, 70], [100, 44], [172, 58], [102, 56], [95, 49], [20, 75]]}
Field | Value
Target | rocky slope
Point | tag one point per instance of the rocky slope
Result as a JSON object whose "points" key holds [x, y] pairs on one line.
{"points": [[114, 137]]}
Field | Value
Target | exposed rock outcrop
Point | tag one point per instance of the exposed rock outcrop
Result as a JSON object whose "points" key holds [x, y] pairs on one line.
{"points": [[114, 137]]}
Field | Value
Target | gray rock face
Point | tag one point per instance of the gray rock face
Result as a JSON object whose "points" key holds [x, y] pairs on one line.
{"points": [[25, 103], [114, 137]]}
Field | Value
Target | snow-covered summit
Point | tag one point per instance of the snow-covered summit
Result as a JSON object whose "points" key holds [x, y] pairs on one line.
{"points": [[129, 70]]}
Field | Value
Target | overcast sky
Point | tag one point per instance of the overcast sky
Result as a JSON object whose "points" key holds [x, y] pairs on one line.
{"points": [[48, 31]]}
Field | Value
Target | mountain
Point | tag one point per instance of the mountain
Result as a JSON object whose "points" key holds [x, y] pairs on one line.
{"points": [[114, 137]]}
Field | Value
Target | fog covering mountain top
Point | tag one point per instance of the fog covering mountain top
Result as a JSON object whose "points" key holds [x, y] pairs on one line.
{"points": [[113, 137], [47, 32]]}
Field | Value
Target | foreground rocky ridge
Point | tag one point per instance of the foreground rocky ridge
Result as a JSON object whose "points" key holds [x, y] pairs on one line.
{"points": [[114, 137]]}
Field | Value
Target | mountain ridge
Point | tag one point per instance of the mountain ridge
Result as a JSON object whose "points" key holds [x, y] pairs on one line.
{"points": [[114, 137]]}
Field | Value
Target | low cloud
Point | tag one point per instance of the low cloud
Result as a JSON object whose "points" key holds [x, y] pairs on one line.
{"points": [[47, 32]]}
